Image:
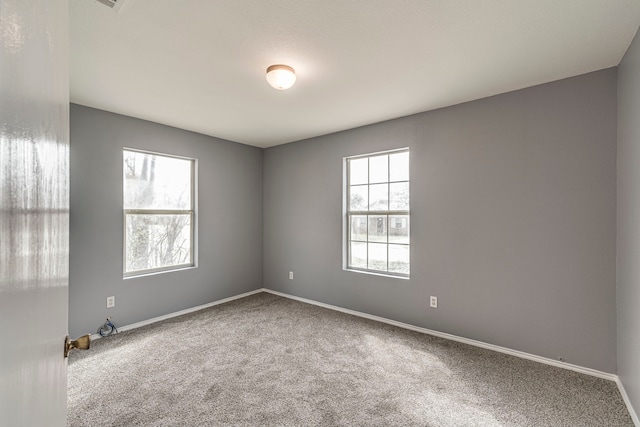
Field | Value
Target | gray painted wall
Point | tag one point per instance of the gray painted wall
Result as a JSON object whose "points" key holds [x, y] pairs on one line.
{"points": [[629, 222], [513, 202], [229, 220]]}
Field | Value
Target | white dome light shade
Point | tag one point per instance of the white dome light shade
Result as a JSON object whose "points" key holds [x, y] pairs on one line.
{"points": [[281, 77]]}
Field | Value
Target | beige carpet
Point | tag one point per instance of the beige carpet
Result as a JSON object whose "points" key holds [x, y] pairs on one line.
{"points": [[266, 360]]}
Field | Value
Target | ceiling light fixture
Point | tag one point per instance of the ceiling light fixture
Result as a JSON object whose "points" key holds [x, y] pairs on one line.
{"points": [[280, 76]]}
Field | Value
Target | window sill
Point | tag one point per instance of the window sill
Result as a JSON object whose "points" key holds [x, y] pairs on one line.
{"points": [[155, 272], [375, 273]]}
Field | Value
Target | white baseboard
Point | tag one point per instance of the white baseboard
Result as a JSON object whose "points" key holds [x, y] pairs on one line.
{"points": [[627, 401], [521, 354], [180, 313], [516, 353]]}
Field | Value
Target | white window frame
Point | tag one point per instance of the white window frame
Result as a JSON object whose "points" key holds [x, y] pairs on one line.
{"points": [[388, 213], [191, 212]]}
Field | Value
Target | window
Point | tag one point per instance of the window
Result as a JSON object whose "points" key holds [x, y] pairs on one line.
{"points": [[377, 220], [158, 212]]}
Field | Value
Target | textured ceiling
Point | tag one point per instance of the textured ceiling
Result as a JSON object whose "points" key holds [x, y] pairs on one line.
{"points": [[200, 64]]}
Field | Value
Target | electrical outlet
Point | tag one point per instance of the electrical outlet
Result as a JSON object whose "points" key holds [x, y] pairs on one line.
{"points": [[291, 275], [111, 302], [433, 302]]}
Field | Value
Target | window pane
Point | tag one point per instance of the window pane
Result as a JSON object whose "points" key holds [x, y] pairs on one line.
{"points": [[359, 198], [379, 169], [399, 194], [359, 171], [156, 182], [378, 185], [399, 259], [378, 256], [359, 228], [378, 228], [154, 241], [358, 255], [399, 167], [379, 197], [399, 229]]}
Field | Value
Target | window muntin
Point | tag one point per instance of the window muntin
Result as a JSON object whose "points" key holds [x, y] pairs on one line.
{"points": [[378, 218], [158, 192]]}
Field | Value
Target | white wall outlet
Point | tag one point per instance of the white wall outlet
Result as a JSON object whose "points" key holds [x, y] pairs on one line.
{"points": [[291, 275], [433, 302], [111, 302]]}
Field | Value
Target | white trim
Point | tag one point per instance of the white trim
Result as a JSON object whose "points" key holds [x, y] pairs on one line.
{"points": [[516, 353], [475, 343], [627, 401], [375, 273], [180, 313], [377, 153]]}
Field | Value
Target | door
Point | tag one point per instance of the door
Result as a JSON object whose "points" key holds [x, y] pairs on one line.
{"points": [[34, 211]]}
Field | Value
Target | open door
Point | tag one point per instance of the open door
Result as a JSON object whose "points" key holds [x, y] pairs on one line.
{"points": [[34, 211]]}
